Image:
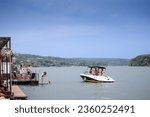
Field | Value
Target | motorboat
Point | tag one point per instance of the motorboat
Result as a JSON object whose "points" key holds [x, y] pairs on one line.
{"points": [[96, 74]]}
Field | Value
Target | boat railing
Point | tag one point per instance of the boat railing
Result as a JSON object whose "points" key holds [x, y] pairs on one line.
{"points": [[86, 72]]}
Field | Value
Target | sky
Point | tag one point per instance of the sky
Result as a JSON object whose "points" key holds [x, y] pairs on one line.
{"points": [[77, 28]]}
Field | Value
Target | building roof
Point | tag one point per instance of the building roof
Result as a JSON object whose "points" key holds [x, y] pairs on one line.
{"points": [[3, 41]]}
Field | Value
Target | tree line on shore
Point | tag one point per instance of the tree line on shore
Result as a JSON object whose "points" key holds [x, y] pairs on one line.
{"points": [[141, 60], [48, 61]]}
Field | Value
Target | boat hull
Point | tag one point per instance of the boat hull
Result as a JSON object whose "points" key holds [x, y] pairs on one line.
{"points": [[95, 79]]}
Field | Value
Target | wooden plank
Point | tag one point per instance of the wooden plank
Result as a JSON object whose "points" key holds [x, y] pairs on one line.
{"points": [[18, 93], [25, 82], [2, 98]]}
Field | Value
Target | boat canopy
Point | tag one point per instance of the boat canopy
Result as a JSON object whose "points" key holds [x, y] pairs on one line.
{"points": [[99, 67]]}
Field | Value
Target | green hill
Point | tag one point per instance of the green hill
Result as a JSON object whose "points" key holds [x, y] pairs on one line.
{"points": [[141, 60], [47, 61]]}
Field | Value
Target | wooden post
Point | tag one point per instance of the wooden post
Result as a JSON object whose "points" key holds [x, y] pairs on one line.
{"points": [[10, 68], [0, 70]]}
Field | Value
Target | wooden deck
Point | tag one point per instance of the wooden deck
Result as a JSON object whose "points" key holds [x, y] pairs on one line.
{"points": [[2, 98], [25, 82], [25, 79], [18, 93]]}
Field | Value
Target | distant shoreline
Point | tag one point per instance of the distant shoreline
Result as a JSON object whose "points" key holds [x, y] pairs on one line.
{"points": [[42, 61], [50, 61], [141, 60]]}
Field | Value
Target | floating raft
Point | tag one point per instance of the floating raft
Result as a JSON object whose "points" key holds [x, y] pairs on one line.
{"points": [[18, 93], [25, 82]]}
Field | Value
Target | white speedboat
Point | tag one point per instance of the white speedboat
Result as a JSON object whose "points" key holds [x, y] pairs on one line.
{"points": [[96, 74]]}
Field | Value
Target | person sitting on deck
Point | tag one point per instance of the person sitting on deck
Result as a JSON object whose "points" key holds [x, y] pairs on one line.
{"points": [[96, 71], [92, 71], [100, 72]]}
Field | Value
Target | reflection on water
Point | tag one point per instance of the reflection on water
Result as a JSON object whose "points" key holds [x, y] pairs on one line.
{"points": [[66, 84]]}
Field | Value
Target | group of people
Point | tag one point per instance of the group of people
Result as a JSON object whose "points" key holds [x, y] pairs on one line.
{"points": [[18, 71], [21, 72], [97, 71]]}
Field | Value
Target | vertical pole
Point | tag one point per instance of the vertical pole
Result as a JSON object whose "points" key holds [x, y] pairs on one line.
{"points": [[10, 75], [10, 66], [0, 71], [6, 68], [7, 72]]}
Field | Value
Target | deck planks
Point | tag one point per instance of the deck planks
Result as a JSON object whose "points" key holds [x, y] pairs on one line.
{"points": [[18, 93]]}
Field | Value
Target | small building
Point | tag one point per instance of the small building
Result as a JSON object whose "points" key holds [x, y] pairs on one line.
{"points": [[5, 66]]}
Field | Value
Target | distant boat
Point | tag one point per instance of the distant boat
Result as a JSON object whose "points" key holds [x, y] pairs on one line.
{"points": [[96, 74]]}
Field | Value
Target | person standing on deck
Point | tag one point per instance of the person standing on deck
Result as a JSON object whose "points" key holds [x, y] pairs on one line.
{"points": [[20, 70], [28, 69]]}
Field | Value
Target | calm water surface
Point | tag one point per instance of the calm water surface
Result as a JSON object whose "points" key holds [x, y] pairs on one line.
{"points": [[66, 84]]}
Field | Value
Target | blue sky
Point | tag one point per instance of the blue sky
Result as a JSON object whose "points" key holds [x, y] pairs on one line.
{"points": [[77, 28]]}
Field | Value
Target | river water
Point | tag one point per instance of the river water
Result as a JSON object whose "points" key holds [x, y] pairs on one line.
{"points": [[131, 83]]}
